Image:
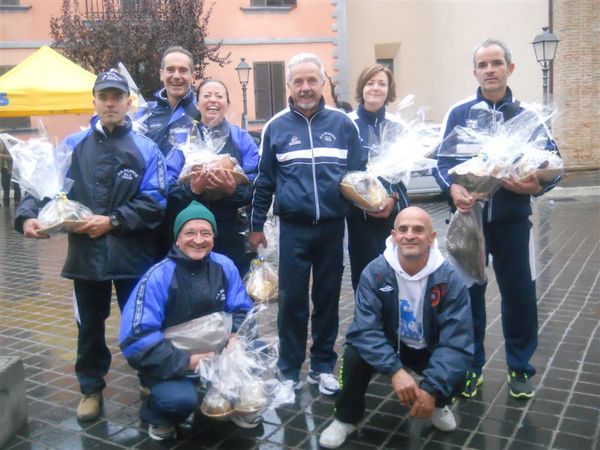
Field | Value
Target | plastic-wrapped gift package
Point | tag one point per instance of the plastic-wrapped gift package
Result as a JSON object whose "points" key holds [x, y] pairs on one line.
{"points": [[244, 378], [402, 148], [465, 244], [262, 280], [515, 148], [202, 335], [202, 153], [41, 170]]}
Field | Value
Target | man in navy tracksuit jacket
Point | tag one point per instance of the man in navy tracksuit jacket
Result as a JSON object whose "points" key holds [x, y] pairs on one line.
{"points": [[170, 118], [120, 176], [412, 311], [506, 228], [306, 149], [191, 282]]}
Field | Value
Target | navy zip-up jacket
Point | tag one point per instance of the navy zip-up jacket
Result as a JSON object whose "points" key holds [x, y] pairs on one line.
{"points": [[302, 162], [504, 204], [122, 173], [371, 125], [163, 119], [447, 325], [177, 290]]}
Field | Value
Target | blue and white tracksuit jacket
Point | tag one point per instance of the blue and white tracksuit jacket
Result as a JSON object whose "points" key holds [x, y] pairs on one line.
{"points": [[302, 162], [122, 173], [174, 291]]}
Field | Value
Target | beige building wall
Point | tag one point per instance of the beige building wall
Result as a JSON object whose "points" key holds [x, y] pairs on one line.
{"points": [[431, 43], [577, 81]]}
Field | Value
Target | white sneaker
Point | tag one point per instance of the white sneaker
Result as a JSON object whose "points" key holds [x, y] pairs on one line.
{"points": [[443, 419], [335, 434], [162, 432], [328, 384]]}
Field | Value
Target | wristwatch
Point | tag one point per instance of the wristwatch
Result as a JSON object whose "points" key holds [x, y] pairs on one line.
{"points": [[114, 220]]}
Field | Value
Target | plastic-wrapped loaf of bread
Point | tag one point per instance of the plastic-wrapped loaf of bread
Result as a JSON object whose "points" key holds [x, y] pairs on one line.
{"points": [[465, 244], [215, 405], [364, 190], [547, 165], [262, 281], [478, 176]]}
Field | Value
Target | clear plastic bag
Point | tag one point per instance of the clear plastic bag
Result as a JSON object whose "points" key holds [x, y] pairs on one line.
{"points": [[465, 244], [201, 153], [403, 148], [245, 374], [262, 280], [202, 335], [40, 168], [503, 147]]}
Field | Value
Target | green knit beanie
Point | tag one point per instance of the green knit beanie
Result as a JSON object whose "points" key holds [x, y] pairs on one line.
{"points": [[195, 210]]}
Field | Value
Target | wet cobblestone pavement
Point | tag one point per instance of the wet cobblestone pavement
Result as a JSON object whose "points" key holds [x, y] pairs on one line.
{"points": [[37, 325]]}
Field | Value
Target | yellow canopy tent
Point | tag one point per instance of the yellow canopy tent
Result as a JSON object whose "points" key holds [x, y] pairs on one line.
{"points": [[46, 83]]}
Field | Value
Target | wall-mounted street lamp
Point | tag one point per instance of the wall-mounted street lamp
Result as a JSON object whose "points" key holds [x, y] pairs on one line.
{"points": [[243, 70], [544, 46]]}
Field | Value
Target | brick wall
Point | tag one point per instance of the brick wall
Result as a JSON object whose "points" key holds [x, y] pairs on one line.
{"points": [[577, 82]]}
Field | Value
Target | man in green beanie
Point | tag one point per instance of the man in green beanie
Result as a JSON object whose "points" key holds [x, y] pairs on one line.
{"points": [[191, 282]]}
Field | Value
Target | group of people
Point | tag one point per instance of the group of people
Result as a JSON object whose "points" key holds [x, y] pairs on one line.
{"points": [[413, 310]]}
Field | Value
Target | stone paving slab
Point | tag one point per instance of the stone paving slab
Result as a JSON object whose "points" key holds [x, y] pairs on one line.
{"points": [[36, 324]]}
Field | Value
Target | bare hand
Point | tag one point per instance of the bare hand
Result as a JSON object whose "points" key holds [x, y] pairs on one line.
{"points": [[384, 210], [95, 227], [221, 180], [461, 198], [196, 358], [423, 405], [30, 227], [199, 181], [257, 238], [405, 387], [530, 185]]}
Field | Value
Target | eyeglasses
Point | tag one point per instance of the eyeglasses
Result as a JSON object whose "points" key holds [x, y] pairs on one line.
{"points": [[204, 234]]}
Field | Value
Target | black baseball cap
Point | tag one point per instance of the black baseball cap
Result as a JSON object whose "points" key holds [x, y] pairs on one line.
{"points": [[111, 79]]}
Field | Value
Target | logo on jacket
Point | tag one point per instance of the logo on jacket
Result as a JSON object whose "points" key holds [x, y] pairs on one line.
{"points": [[436, 293], [327, 137], [220, 295], [127, 174], [295, 140], [387, 288]]}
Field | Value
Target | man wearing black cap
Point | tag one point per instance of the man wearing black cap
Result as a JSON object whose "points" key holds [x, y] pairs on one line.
{"points": [[120, 176], [191, 282]]}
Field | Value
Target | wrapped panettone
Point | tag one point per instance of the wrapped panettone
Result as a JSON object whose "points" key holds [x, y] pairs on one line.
{"points": [[364, 190]]}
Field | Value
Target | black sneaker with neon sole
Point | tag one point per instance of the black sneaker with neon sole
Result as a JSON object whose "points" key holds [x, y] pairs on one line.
{"points": [[519, 385], [472, 383]]}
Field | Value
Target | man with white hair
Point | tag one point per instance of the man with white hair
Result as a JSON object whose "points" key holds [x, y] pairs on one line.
{"points": [[306, 150]]}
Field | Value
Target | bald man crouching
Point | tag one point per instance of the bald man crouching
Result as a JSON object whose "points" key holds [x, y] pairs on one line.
{"points": [[412, 311]]}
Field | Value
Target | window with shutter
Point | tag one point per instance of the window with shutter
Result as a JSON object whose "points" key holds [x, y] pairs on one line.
{"points": [[269, 88]]}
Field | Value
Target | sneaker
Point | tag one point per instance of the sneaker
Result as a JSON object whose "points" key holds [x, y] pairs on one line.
{"points": [[335, 434], [443, 419], [89, 407], [162, 432], [519, 385], [247, 420], [472, 383], [328, 384]]}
